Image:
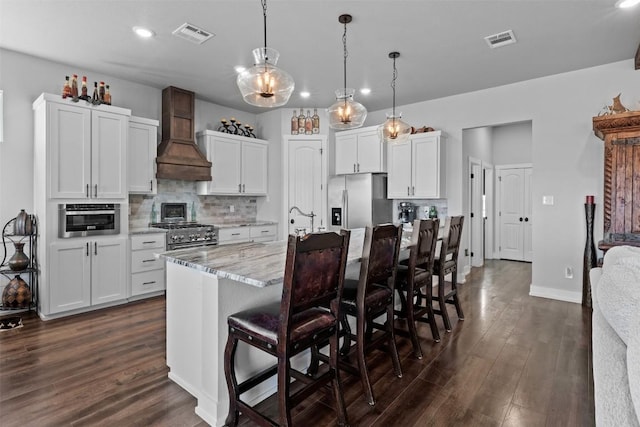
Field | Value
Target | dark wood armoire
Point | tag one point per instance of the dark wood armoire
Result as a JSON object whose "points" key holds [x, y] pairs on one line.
{"points": [[621, 199]]}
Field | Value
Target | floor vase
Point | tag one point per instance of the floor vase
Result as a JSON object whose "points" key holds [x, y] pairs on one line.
{"points": [[590, 259]]}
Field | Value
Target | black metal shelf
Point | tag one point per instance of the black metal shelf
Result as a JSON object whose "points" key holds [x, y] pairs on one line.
{"points": [[8, 238]]}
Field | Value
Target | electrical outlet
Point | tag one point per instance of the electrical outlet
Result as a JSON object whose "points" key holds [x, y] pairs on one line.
{"points": [[232, 208], [568, 273]]}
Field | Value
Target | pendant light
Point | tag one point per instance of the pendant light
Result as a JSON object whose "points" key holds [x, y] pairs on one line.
{"points": [[264, 84], [346, 113], [394, 129]]}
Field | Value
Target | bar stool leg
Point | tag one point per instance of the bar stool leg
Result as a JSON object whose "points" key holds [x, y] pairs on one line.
{"points": [[232, 382], [284, 386], [456, 301], [411, 324], [362, 365], [442, 303], [392, 342]]}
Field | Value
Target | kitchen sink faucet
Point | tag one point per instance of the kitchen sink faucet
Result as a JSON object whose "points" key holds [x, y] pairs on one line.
{"points": [[309, 215]]}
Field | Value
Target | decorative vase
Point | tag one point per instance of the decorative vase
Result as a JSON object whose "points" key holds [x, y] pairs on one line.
{"points": [[19, 261], [19, 226], [16, 294], [590, 259]]}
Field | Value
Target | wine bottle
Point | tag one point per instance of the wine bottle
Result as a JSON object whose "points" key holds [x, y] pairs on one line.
{"points": [[74, 87], [66, 89], [83, 91], [294, 124], [315, 121], [107, 96], [308, 126], [95, 98], [301, 122], [101, 92]]}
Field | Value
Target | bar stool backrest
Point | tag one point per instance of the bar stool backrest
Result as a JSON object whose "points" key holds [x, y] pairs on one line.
{"points": [[379, 257], [424, 243], [451, 241], [314, 271]]}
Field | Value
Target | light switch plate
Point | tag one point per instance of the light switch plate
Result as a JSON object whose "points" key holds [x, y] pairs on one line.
{"points": [[547, 200]]}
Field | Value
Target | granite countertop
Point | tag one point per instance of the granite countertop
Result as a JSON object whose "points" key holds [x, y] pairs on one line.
{"points": [[256, 264]]}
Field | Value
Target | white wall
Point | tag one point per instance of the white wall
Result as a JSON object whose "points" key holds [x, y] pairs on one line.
{"points": [[512, 144], [566, 155]]}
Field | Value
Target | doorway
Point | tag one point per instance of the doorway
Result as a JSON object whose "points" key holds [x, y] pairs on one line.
{"points": [[487, 150]]}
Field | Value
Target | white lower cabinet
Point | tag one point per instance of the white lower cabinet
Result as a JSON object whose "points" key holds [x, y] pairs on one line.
{"points": [[87, 272], [252, 233], [147, 270]]}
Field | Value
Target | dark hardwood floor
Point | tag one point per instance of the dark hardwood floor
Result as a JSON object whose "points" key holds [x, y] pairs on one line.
{"points": [[515, 361]]}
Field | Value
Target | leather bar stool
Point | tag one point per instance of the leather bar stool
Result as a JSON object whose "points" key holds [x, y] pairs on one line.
{"points": [[306, 316], [447, 263], [414, 282], [368, 298]]}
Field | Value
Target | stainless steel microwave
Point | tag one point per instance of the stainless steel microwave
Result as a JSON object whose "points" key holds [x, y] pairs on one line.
{"points": [[88, 219]]}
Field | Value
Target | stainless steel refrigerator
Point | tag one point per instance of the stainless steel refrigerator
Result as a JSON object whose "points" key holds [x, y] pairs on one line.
{"points": [[358, 200]]}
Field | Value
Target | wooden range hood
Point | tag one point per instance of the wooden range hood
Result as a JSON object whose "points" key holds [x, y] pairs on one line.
{"points": [[178, 154]]}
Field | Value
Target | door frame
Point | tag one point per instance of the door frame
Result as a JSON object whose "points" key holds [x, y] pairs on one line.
{"points": [[475, 200], [321, 218]]}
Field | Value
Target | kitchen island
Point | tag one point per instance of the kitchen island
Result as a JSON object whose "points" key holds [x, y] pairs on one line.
{"points": [[206, 285]]}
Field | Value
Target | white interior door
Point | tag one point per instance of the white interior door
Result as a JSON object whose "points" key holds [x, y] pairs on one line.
{"points": [[515, 214], [306, 187]]}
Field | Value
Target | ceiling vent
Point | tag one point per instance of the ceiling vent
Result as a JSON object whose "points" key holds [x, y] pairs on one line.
{"points": [[192, 33], [501, 39]]}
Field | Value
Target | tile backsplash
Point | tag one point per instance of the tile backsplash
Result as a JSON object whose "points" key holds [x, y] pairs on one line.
{"points": [[209, 209]]}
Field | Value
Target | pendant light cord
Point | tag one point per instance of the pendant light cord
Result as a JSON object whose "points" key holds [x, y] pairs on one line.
{"points": [[346, 53], [393, 86], [264, 14]]}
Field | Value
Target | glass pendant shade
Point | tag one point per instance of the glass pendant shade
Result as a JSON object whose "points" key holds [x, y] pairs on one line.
{"points": [[346, 113], [264, 84], [394, 129]]}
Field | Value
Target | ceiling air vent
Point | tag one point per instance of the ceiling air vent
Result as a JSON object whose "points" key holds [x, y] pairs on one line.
{"points": [[192, 33], [501, 39]]}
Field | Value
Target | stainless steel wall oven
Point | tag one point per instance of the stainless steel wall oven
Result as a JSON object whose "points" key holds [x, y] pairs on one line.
{"points": [[88, 219]]}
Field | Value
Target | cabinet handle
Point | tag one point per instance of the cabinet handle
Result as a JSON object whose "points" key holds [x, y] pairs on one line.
{"points": [[243, 190], [87, 191], [149, 283], [87, 248], [148, 260], [95, 248], [149, 242], [264, 231], [408, 191], [354, 167], [358, 167], [235, 234], [413, 191], [151, 184], [239, 188], [96, 191]]}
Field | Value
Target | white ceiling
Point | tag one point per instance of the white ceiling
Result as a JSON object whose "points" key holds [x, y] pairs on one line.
{"points": [[441, 42]]}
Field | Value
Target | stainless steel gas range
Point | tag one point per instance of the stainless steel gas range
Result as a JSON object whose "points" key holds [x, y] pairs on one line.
{"points": [[181, 233]]}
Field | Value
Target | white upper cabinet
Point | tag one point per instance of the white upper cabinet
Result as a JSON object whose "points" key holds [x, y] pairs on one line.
{"points": [[142, 151], [238, 164], [416, 167], [85, 146], [359, 151]]}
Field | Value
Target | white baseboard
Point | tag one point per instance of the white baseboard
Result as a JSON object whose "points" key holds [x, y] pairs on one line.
{"points": [[557, 294]]}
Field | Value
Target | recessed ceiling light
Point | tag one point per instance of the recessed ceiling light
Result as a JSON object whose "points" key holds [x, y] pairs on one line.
{"points": [[365, 91], [625, 4], [143, 32], [239, 69], [305, 94]]}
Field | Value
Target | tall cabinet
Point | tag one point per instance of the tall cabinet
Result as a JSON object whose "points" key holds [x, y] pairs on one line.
{"points": [[80, 156], [359, 151]]}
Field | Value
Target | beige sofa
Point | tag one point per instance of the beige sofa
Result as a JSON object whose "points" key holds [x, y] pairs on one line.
{"points": [[615, 290]]}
